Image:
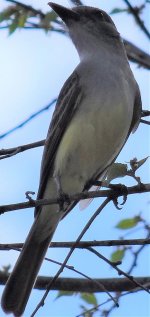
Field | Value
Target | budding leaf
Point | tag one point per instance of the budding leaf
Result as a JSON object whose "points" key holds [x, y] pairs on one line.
{"points": [[128, 223], [116, 170], [118, 10], [89, 298], [64, 293], [117, 255]]}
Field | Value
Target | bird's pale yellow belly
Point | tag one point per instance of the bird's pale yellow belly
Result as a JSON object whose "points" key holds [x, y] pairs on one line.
{"points": [[89, 145]]}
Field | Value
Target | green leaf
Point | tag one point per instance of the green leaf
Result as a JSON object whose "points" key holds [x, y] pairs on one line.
{"points": [[89, 298], [116, 170], [50, 16], [118, 10], [46, 21], [22, 20], [65, 293], [14, 25], [118, 255], [7, 13], [128, 223]]}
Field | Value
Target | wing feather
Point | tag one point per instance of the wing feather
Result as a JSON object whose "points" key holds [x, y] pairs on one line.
{"points": [[67, 103]]}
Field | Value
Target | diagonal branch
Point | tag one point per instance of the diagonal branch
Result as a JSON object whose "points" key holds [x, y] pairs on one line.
{"points": [[120, 272], [24, 122], [137, 55], [28, 8], [135, 13]]}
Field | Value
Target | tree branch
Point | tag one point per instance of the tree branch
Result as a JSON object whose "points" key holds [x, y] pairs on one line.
{"points": [[5, 153], [76, 2], [35, 114], [81, 245], [115, 267], [137, 55], [83, 285], [110, 193], [28, 8], [145, 122], [135, 13]]}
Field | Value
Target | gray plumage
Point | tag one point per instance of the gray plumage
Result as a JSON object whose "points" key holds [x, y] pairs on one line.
{"points": [[97, 109]]}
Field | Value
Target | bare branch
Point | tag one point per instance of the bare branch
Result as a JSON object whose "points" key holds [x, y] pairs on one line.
{"points": [[135, 13], [119, 295], [24, 122], [83, 285], [137, 55], [82, 244], [145, 122], [110, 193], [76, 2], [133, 264], [145, 113], [28, 8], [136, 254], [120, 272], [5, 153]]}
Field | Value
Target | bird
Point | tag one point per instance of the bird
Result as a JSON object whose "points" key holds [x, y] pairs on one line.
{"points": [[97, 109]]}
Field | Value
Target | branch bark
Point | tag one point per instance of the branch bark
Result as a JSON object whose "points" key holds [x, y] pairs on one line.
{"points": [[137, 55], [84, 285], [110, 193], [81, 245]]}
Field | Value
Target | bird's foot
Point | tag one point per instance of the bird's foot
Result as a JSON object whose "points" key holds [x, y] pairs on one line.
{"points": [[119, 190]]}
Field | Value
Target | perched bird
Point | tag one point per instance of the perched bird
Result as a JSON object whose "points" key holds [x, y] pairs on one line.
{"points": [[98, 106]]}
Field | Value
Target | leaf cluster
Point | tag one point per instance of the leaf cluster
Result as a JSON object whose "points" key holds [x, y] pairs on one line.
{"points": [[18, 16]]}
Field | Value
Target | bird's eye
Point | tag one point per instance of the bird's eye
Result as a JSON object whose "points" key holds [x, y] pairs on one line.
{"points": [[99, 15]]}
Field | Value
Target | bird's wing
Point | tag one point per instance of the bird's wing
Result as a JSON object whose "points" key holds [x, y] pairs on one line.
{"points": [[67, 103]]}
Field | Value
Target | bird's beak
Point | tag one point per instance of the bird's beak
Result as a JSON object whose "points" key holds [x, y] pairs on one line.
{"points": [[64, 13]]}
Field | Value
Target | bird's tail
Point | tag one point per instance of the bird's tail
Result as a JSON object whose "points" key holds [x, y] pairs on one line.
{"points": [[22, 279]]}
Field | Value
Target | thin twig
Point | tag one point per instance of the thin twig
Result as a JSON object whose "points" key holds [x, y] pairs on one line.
{"points": [[120, 272], [28, 8], [145, 113], [24, 122], [99, 284], [5, 153], [137, 289], [81, 245], [76, 2], [145, 122], [135, 13], [136, 254]]}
